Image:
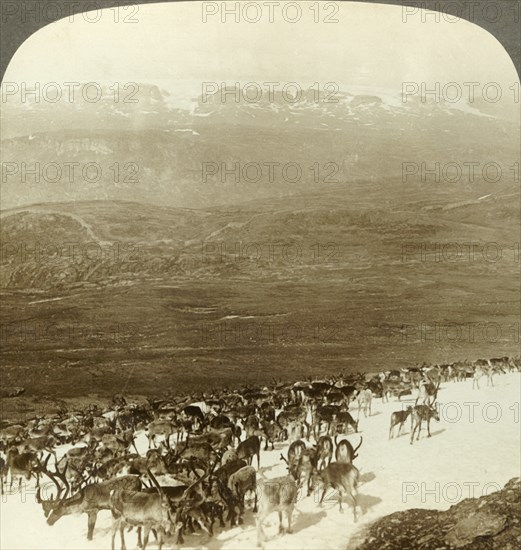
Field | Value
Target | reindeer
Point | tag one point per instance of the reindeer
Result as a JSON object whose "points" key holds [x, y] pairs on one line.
{"points": [[277, 494], [295, 451], [190, 506], [119, 443], [220, 493], [22, 465], [345, 452], [89, 500], [306, 467], [141, 509], [39, 444], [324, 451], [340, 476], [399, 418], [160, 427], [226, 470], [481, 370], [365, 398], [345, 420], [427, 392], [248, 448], [242, 481], [3, 472], [419, 414]]}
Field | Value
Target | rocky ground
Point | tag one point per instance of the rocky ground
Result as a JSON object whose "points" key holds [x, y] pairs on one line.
{"points": [[491, 521]]}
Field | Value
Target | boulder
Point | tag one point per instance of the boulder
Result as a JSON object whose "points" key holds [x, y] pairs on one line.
{"points": [[490, 522]]}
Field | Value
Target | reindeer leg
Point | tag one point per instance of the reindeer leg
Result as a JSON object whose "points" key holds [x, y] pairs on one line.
{"points": [[428, 427], [260, 531], [400, 427], [145, 536], [114, 529], [122, 535], [91, 522], [355, 504], [340, 496], [322, 497], [290, 514], [206, 526], [221, 518], [180, 539], [281, 528]]}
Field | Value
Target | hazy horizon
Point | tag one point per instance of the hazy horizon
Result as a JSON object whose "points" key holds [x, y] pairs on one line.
{"points": [[170, 46]]}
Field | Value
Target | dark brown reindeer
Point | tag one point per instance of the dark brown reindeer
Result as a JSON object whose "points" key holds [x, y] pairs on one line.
{"points": [[248, 448], [419, 414], [22, 465], [398, 418]]}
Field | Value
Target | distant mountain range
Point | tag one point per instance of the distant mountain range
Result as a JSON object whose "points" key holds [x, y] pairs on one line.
{"points": [[148, 151]]}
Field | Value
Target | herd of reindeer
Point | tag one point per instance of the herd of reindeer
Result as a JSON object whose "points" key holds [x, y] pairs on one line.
{"points": [[199, 466]]}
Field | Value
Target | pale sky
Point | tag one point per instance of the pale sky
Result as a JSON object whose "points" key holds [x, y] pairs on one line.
{"points": [[171, 46]]}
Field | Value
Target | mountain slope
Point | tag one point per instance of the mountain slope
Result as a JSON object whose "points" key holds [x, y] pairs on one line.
{"points": [[148, 151]]}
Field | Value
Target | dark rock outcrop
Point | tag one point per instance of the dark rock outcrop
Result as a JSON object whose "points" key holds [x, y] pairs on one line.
{"points": [[489, 522]]}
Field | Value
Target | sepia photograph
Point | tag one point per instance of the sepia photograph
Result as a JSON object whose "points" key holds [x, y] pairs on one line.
{"points": [[260, 278]]}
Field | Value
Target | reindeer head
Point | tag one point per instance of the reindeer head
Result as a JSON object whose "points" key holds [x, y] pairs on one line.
{"points": [[53, 508], [434, 412]]}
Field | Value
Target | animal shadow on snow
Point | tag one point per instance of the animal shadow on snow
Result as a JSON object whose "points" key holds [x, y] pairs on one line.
{"points": [[433, 433], [307, 519], [265, 469], [366, 502], [422, 436], [367, 477], [374, 413]]}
